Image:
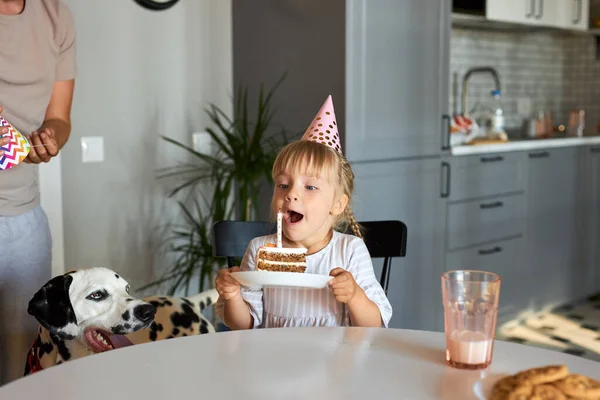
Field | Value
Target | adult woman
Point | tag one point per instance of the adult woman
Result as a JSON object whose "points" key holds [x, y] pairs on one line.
{"points": [[37, 72]]}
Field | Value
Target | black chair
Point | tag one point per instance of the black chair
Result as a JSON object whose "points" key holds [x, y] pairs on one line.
{"points": [[384, 239], [231, 238]]}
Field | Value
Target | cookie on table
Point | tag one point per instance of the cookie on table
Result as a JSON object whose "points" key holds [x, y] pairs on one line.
{"points": [[547, 374], [579, 387], [505, 386]]}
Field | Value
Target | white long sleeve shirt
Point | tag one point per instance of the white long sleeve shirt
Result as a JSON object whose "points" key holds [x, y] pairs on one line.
{"points": [[303, 307]]}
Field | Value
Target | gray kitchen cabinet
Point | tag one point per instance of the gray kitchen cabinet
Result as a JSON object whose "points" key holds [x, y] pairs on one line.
{"points": [[397, 85], [385, 63], [589, 221], [486, 175], [408, 191], [551, 225]]}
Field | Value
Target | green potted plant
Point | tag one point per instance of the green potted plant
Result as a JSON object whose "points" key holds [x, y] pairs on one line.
{"points": [[241, 164]]}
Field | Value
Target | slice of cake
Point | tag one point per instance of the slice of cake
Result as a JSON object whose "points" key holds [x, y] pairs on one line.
{"points": [[281, 259]]}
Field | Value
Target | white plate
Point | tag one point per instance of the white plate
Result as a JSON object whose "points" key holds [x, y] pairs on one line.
{"points": [[260, 279]]}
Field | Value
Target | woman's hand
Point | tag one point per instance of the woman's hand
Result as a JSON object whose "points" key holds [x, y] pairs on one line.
{"points": [[343, 285], [226, 285], [3, 140], [43, 146]]}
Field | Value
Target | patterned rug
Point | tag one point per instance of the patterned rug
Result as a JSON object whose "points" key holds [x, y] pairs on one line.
{"points": [[572, 328]]}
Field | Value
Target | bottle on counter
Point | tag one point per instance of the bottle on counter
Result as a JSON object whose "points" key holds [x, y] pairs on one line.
{"points": [[496, 121]]}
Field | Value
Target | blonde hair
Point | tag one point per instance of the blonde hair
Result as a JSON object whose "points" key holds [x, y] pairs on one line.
{"points": [[324, 162]]}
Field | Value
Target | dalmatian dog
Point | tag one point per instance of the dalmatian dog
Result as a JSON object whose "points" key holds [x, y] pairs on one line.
{"points": [[90, 311]]}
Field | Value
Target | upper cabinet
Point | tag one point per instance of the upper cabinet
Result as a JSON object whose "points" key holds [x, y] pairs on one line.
{"points": [[397, 78], [561, 14], [531, 12], [573, 14]]}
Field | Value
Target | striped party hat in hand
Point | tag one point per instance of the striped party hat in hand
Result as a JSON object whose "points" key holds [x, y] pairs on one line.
{"points": [[17, 148], [323, 128]]}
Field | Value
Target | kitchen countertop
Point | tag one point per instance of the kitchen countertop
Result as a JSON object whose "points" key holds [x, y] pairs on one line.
{"points": [[524, 144]]}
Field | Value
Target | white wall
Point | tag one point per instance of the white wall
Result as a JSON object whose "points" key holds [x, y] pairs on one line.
{"points": [[141, 74]]}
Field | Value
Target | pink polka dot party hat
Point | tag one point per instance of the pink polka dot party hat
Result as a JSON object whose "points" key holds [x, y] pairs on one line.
{"points": [[323, 129]]}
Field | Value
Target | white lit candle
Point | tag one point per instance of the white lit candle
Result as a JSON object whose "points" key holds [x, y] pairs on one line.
{"points": [[279, 218]]}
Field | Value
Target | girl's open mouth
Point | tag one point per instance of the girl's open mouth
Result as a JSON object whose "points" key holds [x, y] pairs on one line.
{"points": [[294, 217]]}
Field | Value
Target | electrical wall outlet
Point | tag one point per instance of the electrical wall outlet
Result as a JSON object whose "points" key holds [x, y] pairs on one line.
{"points": [[524, 107]]}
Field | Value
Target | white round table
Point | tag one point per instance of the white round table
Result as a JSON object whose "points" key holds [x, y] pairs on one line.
{"points": [[290, 363]]}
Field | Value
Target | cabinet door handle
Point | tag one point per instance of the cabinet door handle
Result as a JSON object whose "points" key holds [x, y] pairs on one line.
{"points": [[595, 150], [487, 206], [579, 9], [492, 159], [541, 154], [541, 13], [445, 192], [485, 252], [445, 132], [531, 9]]}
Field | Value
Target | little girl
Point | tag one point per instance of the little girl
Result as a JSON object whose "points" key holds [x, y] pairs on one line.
{"points": [[313, 186]]}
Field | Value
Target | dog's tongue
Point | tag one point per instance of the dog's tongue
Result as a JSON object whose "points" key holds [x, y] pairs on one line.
{"points": [[119, 341]]}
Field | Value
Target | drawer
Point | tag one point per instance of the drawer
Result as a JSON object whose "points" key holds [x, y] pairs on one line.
{"points": [[479, 221], [505, 258], [486, 175]]}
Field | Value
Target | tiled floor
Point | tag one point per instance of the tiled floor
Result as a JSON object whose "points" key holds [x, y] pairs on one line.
{"points": [[573, 329]]}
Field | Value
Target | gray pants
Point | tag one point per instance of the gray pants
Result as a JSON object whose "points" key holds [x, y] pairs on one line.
{"points": [[25, 266]]}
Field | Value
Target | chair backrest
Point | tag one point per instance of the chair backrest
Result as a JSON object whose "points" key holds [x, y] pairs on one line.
{"points": [[231, 238], [384, 239]]}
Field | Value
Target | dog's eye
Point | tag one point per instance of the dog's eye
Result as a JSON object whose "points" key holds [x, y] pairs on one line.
{"points": [[98, 295], [127, 289]]}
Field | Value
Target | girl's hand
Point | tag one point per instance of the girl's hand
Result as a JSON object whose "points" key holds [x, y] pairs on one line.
{"points": [[343, 285], [226, 285]]}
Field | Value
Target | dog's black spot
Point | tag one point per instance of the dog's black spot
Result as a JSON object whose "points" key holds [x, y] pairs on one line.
{"points": [[186, 318], [51, 305], [58, 362], [202, 306], [156, 304], [187, 301], [126, 325], [175, 331], [162, 298], [62, 348], [125, 315], [117, 329], [44, 348], [184, 334], [208, 302], [129, 299], [170, 337], [117, 276], [168, 302], [154, 328], [203, 326]]}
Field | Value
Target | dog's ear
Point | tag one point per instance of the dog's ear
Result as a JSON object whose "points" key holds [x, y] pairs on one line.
{"points": [[51, 306]]}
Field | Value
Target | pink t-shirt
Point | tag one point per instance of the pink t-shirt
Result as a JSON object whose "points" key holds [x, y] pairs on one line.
{"points": [[37, 48]]}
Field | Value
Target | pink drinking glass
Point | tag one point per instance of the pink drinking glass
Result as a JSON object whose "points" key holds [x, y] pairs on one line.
{"points": [[470, 300]]}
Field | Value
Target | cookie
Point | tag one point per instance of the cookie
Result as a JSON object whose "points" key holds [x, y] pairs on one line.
{"points": [[579, 386], [522, 391], [503, 387], [547, 374], [547, 392]]}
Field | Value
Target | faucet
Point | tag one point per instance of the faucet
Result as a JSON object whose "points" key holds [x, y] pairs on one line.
{"points": [[465, 82]]}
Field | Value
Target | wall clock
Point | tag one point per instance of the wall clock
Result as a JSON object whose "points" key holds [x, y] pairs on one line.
{"points": [[157, 5]]}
